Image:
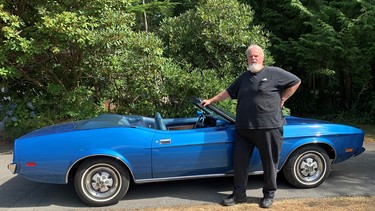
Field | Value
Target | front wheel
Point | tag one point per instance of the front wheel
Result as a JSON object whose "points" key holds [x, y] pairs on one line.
{"points": [[307, 167], [101, 182]]}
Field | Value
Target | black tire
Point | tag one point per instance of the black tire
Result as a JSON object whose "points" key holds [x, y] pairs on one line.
{"points": [[101, 182], [307, 167]]}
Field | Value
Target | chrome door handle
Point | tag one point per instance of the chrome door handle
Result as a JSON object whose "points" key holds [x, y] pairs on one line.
{"points": [[165, 141]]}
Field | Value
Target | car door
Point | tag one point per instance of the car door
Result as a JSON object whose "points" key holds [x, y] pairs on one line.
{"points": [[194, 152]]}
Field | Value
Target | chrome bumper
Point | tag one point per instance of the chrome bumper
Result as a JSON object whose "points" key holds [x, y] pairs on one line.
{"points": [[12, 167]]}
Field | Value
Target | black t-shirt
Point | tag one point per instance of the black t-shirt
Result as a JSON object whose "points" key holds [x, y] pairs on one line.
{"points": [[259, 97]]}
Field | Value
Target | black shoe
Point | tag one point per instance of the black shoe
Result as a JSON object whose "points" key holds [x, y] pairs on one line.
{"points": [[266, 202], [232, 200]]}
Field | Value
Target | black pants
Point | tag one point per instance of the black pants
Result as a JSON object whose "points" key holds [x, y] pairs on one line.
{"points": [[268, 142]]}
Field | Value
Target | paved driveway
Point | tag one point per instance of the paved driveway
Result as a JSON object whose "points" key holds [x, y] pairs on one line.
{"points": [[354, 177]]}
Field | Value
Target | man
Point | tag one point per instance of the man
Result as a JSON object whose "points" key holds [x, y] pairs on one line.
{"points": [[261, 93]]}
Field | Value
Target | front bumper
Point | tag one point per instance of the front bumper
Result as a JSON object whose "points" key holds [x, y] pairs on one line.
{"points": [[360, 151], [12, 167]]}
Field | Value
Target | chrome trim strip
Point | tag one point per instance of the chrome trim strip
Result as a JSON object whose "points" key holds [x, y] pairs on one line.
{"points": [[165, 179], [95, 155], [310, 143]]}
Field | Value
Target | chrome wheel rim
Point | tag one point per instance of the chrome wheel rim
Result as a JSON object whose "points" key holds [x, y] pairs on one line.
{"points": [[101, 182], [310, 168]]}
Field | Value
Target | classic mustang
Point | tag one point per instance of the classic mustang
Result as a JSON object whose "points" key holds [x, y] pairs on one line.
{"points": [[103, 155]]}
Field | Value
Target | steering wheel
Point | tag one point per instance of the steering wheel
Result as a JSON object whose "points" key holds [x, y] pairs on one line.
{"points": [[200, 122]]}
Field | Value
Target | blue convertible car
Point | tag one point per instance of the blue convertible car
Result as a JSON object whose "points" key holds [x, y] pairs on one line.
{"points": [[103, 155]]}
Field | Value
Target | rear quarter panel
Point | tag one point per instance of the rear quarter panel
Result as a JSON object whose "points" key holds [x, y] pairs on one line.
{"points": [[54, 154]]}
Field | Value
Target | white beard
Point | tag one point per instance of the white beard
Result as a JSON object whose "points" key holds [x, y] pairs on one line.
{"points": [[254, 68]]}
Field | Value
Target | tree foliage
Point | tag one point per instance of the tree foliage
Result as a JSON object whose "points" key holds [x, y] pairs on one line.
{"points": [[68, 60], [210, 44], [74, 59], [208, 38], [330, 45]]}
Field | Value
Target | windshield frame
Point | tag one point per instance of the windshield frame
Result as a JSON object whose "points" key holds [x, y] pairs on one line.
{"points": [[214, 109]]}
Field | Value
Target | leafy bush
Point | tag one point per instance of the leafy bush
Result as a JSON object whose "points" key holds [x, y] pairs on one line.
{"points": [[75, 59], [209, 39], [179, 85]]}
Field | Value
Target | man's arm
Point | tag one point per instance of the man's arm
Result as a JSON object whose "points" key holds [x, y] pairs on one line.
{"points": [[221, 96], [288, 93]]}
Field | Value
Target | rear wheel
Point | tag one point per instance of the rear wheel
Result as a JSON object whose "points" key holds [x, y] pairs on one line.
{"points": [[307, 167], [101, 182]]}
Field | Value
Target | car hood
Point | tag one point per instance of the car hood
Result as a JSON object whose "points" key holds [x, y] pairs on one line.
{"points": [[291, 120]]}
